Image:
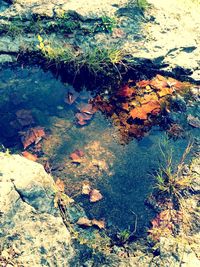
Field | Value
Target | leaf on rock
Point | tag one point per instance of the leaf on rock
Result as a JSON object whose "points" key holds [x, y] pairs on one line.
{"points": [[83, 221], [99, 223], [60, 185], [29, 156], [126, 91], [33, 135], [95, 195]]}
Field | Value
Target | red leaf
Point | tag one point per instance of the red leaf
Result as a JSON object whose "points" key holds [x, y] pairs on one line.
{"points": [[33, 135], [143, 83], [126, 91]]}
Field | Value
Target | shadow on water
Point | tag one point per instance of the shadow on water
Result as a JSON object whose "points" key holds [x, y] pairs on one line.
{"points": [[123, 173]]}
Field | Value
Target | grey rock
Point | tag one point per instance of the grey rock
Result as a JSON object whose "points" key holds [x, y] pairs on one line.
{"points": [[29, 220]]}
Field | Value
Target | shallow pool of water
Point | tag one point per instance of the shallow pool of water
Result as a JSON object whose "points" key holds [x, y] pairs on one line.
{"points": [[123, 173]]}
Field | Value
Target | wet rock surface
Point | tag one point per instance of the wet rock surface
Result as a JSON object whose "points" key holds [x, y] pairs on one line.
{"points": [[31, 228]]}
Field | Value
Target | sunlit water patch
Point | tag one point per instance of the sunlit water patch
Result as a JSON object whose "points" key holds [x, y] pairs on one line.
{"points": [[122, 173]]}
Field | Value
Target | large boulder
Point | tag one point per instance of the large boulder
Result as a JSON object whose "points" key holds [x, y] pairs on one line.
{"points": [[32, 232]]}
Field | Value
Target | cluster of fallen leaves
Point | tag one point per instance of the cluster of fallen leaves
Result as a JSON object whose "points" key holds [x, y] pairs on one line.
{"points": [[163, 224], [135, 108], [85, 110], [94, 194], [85, 222]]}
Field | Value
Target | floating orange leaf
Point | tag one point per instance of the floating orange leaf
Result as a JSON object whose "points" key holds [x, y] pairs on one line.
{"points": [[147, 98], [161, 78], [125, 106], [95, 195], [165, 91], [33, 135], [158, 85], [143, 111], [126, 91], [143, 83], [29, 156]]}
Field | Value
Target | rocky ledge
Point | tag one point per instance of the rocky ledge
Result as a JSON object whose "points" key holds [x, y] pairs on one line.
{"points": [[159, 34]]}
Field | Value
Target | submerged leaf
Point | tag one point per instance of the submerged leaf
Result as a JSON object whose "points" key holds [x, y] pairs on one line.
{"points": [[76, 156], [24, 117], [33, 135], [86, 188], [99, 223], [95, 195], [83, 221]]}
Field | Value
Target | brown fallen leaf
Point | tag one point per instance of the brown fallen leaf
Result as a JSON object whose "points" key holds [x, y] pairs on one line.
{"points": [[29, 156], [83, 221], [86, 188], [33, 135], [76, 156], [126, 91], [24, 117], [86, 108], [143, 111], [99, 223], [83, 118], [95, 195], [143, 83], [60, 185]]}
